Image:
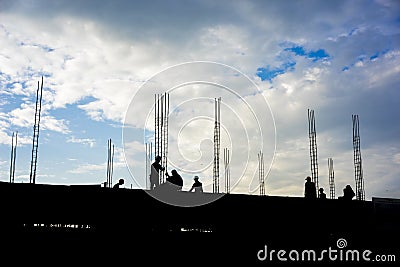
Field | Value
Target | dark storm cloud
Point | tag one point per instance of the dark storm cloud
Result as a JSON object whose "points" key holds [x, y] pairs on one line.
{"points": [[165, 20], [180, 19]]}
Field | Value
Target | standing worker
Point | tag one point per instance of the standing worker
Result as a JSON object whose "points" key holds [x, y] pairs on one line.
{"points": [[155, 173], [309, 189]]}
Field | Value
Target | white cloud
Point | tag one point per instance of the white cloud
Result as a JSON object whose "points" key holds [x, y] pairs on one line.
{"points": [[25, 117], [88, 168], [85, 141], [91, 168]]}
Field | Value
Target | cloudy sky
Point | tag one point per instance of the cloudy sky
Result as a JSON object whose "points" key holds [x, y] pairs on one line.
{"points": [[103, 61]]}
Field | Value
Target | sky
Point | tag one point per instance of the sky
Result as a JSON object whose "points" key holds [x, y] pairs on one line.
{"points": [[269, 61]]}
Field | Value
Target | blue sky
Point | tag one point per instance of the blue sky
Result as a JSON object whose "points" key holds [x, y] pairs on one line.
{"points": [[336, 57]]}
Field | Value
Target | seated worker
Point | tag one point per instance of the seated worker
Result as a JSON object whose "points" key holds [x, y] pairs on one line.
{"points": [[120, 182], [175, 180], [348, 193], [197, 185]]}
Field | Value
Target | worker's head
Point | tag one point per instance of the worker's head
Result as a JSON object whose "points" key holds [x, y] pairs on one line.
{"points": [[321, 190], [158, 158], [196, 178], [308, 179], [121, 181], [174, 172]]}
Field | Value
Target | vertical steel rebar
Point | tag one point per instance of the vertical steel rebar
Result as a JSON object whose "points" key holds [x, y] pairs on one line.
{"points": [[15, 156], [331, 178], [12, 157], [227, 170], [161, 114], [312, 135], [36, 128], [217, 137], [358, 171], [261, 173], [108, 163]]}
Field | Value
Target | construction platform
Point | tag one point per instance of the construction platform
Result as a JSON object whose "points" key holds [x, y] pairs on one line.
{"points": [[232, 227]]}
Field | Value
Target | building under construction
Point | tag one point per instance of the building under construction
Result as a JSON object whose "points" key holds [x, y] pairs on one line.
{"points": [[78, 219], [84, 217]]}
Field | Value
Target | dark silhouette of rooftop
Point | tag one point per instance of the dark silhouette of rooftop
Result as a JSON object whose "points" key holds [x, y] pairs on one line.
{"points": [[90, 217]]}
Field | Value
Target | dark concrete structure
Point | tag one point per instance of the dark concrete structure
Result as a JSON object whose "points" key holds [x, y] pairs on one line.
{"points": [[90, 219]]}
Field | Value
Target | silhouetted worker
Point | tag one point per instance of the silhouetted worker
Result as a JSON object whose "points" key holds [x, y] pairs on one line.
{"points": [[309, 189], [197, 185], [322, 195], [175, 180], [154, 174], [120, 182], [348, 193]]}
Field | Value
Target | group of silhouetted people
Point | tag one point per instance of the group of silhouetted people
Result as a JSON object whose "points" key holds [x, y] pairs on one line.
{"points": [[173, 181], [310, 191]]}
